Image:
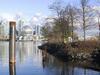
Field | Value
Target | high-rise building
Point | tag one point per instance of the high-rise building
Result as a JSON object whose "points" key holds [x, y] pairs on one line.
{"points": [[1, 30]]}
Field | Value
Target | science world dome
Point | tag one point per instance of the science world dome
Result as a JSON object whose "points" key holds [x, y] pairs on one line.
{"points": [[26, 33], [27, 30]]}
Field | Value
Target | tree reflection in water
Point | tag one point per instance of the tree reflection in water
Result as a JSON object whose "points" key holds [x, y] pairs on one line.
{"points": [[66, 68], [31, 61]]}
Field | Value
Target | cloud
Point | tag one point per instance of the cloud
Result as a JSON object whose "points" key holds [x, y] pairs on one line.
{"points": [[38, 18], [7, 16], [35, 19], [97, 8]]}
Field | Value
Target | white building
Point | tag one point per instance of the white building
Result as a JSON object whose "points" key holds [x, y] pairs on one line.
{"points": [[26, 33]]}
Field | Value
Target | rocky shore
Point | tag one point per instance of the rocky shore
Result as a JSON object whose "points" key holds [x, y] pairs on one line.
{"points": [[71, 51], [57, 50]]}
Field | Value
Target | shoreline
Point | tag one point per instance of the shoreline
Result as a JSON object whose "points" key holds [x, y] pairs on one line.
{"points": [[62, 51]]}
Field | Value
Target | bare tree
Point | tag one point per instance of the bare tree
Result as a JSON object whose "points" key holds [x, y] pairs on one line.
{"points": [[61, 28], [61, 21], [98, 17], [87, 17], [57, 7], [84, 5], [96, 10], [72, 14], [98, 14]]}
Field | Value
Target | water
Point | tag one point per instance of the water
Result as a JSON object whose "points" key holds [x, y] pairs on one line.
{"points": [[31, 61]]}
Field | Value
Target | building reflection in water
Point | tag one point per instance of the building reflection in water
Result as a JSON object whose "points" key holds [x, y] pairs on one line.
{"points": [[25, 49], [31, 61], [4, 50], [28, 50], [12, 68]]}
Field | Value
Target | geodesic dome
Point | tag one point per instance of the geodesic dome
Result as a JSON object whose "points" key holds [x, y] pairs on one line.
{"points": [[27, 30]]}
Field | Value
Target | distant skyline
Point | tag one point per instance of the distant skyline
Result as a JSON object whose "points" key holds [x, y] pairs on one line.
{"points": [[34, 10]]}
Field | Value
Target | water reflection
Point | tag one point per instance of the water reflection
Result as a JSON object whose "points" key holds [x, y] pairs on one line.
{"points": [[4, 47], [12, 69], [24, 49], [67, 68], [31, 61]]}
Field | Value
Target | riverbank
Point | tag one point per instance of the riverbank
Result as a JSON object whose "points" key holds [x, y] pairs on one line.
{"points": [[89, 50], [56, 50]]}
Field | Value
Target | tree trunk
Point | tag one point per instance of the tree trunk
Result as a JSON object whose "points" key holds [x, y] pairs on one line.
{"points": [[84, 23]]}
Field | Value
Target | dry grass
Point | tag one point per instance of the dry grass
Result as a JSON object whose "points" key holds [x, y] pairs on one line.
{"points": [[82, 48]]}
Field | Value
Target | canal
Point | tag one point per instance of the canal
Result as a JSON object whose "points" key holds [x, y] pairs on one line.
{"points": [[30, 61]]}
